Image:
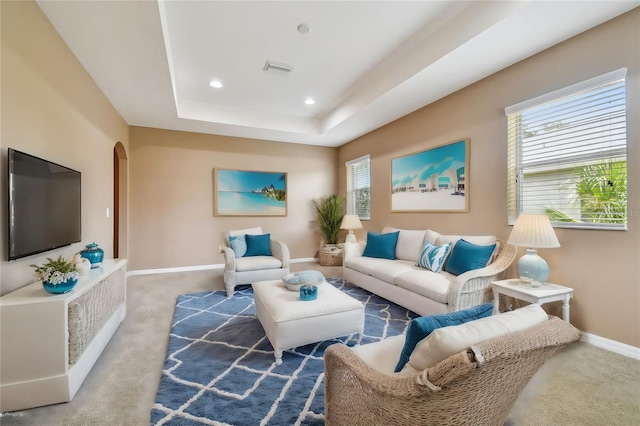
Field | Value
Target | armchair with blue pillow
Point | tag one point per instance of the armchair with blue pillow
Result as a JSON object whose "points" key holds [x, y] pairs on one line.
{"points": [[458, 368], [251, 255]]}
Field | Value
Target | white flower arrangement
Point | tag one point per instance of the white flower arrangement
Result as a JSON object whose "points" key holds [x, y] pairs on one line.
{"points": [[56, 271]]}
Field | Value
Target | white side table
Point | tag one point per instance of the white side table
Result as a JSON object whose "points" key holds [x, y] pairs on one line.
{"points": [[546, 293]]}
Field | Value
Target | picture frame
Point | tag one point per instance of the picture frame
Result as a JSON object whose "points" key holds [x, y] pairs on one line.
{"points": [[435, 180], [249, 193]]}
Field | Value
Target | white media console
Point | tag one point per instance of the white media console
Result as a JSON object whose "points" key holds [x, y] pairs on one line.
{"points": [[49, 343]]}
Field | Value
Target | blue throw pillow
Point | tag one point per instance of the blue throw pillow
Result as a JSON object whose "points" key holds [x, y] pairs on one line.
{"points": [[432, 257], [421, 327], [258, 245], [466, 256], [238, 245], [382, 246]]}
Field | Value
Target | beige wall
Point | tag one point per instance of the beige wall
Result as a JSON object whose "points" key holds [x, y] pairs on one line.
{"points": [[171, 186], [601, 266], [51, 108]]}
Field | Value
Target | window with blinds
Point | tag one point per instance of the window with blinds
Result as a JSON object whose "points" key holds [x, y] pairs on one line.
{"points": [[359, 187], [567, 155]]}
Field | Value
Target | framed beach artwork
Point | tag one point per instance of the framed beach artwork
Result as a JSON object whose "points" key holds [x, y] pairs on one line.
{"points": [[436, 180], [249, 193]]}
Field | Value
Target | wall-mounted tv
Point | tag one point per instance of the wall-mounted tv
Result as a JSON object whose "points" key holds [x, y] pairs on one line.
{"points": [[44, 205]]}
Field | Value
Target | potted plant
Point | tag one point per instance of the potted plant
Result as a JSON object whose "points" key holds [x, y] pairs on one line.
{"points": [[58, 276], [329, 213]]}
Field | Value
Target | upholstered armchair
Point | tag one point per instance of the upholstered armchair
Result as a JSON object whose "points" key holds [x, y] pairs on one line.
{"points": [[245, 269], [477, 386]]}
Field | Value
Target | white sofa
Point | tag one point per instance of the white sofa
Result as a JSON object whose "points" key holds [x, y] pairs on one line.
{"points": [[421, 290]]}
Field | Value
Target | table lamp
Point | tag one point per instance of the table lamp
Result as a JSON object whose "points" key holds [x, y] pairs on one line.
{"points": [[533, 231], [351, 222]]}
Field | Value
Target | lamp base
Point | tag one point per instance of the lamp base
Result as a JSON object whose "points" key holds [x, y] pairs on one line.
{"points": [[350, 238], [532, 268]]}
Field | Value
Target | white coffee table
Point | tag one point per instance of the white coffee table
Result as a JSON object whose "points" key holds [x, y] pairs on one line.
{"points": [[290, 322], [547, 292]]}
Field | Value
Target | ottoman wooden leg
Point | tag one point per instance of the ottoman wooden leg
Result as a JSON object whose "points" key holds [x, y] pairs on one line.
{"points": [[278, 354]]}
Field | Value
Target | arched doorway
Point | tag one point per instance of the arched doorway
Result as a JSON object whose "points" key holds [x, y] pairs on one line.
{"points": [[120, 202]]}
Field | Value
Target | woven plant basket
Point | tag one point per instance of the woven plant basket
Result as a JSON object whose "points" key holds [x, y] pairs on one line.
{"points": [[330, 255]]}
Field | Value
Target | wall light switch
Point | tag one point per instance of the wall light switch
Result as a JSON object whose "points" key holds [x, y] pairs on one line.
{"points": [[107, 212]]}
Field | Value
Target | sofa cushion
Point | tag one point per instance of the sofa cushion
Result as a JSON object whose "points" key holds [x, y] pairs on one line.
{"points": [[409, 243], [238, 244], [421, 327], [389, 270], [481, 240], [381, 245], [447, 341], [426, 283], [381, 355], [432, 257], [467, 256], [253, 263], [258, 245]]}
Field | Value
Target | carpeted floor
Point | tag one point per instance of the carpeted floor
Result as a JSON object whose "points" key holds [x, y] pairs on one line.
{"points": [[221, 368], [576, 387]]}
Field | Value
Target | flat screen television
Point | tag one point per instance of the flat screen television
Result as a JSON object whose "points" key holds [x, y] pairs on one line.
{"points": [[44, 205]]}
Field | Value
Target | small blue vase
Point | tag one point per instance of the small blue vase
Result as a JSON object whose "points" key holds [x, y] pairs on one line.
{"points": [[61, 288], [94, 254], [308, 292]]}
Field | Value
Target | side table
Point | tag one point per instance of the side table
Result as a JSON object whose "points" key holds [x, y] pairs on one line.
{"points": [[546, 293]]}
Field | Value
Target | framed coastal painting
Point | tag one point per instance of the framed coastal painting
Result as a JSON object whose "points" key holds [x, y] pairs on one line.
{"points": [[249, 193], [435, 180]]}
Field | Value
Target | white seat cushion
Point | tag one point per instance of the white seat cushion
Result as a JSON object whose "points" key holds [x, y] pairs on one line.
{"points": [[446, 341], [383, 355], [427, 283], [285, 305], [253, 263], [389, 270]]}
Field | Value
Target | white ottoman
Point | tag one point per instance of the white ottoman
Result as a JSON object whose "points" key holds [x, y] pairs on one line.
{"points": [[290, 322]]}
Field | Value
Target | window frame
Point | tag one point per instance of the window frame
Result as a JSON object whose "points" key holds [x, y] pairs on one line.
{"points": [[351, 191], [515, 140]]}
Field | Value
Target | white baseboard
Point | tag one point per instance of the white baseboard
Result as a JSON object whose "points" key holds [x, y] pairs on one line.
{"points": [[612, 345], [199, 268]]}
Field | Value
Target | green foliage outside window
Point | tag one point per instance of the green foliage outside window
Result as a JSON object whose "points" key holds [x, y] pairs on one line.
{"points": [[601, 193]]}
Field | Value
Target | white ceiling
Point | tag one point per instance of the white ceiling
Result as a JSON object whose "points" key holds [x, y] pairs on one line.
{"points": [[366, 63]]}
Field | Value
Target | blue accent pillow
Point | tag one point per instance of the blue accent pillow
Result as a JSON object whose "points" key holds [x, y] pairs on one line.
{"points": [[258, 245], [382, 246], [238, 245], [421, 327], [467, 256], [432, 257], [304, 277]]}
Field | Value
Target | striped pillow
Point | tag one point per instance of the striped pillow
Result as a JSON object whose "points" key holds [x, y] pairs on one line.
{"points": [[433, 257]]}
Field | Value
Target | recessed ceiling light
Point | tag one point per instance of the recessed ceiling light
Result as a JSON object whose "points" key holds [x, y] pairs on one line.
{"points": [[215, 83], [309, 101], [304, 28]]}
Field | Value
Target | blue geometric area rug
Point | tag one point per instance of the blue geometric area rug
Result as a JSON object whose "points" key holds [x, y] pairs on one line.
{"points": [[220, 368]]}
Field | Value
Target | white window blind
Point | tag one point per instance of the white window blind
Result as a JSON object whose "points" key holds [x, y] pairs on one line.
{"points": [[567, 155], [359, 187]]}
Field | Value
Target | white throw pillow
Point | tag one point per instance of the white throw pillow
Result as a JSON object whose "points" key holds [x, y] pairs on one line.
{"points": [[446, 341], [409, 243]]}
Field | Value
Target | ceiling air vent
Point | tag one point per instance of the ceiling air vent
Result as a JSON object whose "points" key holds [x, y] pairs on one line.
{"points": [[277, 66]]}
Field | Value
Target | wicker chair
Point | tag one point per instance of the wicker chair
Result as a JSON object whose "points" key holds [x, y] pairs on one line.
{"points": [[475, 387]]}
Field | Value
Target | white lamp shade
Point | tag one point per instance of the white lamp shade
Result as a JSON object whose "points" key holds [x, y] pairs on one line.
{"points": [[534, 231], [351, 221]]}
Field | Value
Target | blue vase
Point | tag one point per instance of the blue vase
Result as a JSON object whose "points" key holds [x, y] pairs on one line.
{"points": [[61, 288], [94, 254], [308, 292]]}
